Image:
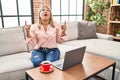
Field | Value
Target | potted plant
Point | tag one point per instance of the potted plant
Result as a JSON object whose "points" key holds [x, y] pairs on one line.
{"points": [[96, 11], [118, 33]]}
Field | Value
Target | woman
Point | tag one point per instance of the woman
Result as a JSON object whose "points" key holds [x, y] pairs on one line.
{"points": [[44, 36]]}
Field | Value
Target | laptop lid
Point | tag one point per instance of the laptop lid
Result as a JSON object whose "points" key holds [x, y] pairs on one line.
{"points": [[71, 58]]}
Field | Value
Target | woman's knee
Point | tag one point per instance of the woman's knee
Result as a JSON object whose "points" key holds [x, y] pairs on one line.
{"points": [[57, 54], [37, 58], [36, 62], [53, 55]]}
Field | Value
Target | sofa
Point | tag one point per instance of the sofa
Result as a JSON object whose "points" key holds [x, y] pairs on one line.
{"points": [[15, 54]]}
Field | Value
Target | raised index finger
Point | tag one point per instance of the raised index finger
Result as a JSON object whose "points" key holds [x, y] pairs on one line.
{"points": [[65, 23], [25, 23]]}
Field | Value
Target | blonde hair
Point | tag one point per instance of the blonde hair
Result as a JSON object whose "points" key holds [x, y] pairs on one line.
{"points": [[50, 20]]}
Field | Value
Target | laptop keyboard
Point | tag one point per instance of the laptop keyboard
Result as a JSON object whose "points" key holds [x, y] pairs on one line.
{"points": [[59, 65]]}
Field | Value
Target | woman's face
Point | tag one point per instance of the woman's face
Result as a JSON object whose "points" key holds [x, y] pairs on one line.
{"points": [[45, 13]]}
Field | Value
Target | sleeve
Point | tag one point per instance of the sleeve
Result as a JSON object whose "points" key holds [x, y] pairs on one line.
{"points": [[59, 39], [33, 40]]}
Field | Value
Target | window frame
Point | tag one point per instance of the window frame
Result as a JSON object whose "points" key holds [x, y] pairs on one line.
{"points": [[18, 16], [69, 15]]}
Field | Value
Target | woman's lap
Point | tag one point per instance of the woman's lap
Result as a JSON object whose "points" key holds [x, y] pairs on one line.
{"points": [[41, 55]]}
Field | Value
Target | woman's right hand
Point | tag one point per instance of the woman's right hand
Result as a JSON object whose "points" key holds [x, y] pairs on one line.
{"points": [[63, 28], [27, 28]]}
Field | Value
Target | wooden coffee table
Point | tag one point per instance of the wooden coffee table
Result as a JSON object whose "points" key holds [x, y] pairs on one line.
{"points": [[91, 65]]}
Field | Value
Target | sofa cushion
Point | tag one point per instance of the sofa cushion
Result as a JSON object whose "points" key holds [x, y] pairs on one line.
{"points": [[15, 62], [101, 47], [72, 30], [87, 30], [12, 40], [104, 36]]}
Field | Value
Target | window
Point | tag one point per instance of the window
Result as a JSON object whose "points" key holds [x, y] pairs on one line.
{"points": [[0, 23], [15, 12], [69, 10]]}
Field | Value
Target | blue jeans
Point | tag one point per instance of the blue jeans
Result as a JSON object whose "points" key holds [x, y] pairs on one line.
{"points": [[44, 54]]}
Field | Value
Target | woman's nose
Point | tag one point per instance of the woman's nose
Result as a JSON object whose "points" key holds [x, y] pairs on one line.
{"points": [[45, 11]]}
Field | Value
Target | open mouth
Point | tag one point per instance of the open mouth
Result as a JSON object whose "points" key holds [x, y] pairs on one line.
{"points": [[45, 14]]}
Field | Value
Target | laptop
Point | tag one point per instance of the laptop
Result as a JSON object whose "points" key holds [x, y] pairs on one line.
{"points": [[72, 58]]}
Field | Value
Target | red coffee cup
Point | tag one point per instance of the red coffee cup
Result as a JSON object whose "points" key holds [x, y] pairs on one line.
{"points": [[45, 66]]}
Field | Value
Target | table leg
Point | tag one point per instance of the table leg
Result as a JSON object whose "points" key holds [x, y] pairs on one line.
{"points": [[26, 75], [113, 72]]}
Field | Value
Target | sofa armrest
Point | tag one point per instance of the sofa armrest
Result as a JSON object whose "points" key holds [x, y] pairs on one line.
{"points": [[104, 36]]}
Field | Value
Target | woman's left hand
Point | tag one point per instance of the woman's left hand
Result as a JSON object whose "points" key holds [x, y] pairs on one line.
{"points": [[63, 28]]}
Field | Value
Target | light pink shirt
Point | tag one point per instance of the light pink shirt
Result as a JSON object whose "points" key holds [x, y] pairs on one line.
{"points": [[48, 39]]}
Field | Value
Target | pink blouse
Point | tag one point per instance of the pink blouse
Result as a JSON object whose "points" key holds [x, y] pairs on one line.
{"points": [[47, 39]]}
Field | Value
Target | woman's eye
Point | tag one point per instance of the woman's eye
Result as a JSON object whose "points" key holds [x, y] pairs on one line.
{"points": [[43, 9], [48, 10]]}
